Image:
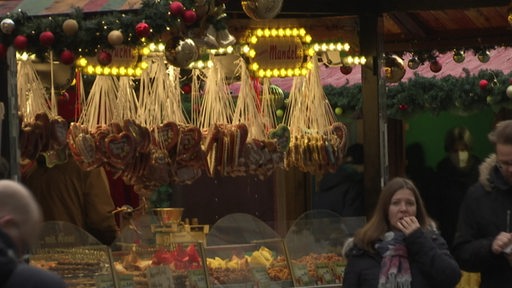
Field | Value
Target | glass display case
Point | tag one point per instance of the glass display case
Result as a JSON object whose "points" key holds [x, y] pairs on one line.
{"points": [[148, 253], [80, 259], [315, 244], [243, 251]]}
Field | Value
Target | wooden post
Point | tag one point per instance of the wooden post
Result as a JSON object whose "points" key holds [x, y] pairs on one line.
{"points": [[374, 125]]}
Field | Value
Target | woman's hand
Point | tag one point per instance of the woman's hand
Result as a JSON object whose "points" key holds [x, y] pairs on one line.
{"points": [[408, 225]]}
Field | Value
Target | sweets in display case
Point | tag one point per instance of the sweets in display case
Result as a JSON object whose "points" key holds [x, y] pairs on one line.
{"points": [[139, 254], [315, 243], [242, 251], [80, 259]]}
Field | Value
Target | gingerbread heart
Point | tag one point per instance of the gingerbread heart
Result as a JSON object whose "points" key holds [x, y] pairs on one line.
{"points": [[166, 135], [120, 148]]}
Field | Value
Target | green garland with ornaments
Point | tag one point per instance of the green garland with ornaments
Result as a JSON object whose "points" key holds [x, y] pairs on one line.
{"points": [[461, 95], [83, 34]]}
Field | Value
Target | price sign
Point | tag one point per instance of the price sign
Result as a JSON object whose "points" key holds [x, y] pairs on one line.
{"points": [[160, 277], [324, 272], [126, 281], [197, 278], [104, 281], [338, 269], [300, 271]]}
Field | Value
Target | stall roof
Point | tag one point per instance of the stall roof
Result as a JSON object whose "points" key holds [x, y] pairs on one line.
{"points": [[419, 24], [46, 7]]}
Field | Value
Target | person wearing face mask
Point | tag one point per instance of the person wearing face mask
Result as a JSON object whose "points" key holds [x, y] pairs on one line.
{"points": [[456, 172], [483, 241], [399, 247], [20, 222]]}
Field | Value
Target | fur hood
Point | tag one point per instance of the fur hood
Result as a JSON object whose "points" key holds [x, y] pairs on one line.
{"points": [[485, 171]]}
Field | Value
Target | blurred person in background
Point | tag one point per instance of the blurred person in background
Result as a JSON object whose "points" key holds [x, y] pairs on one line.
{"points": [[342, 192], [456, 172], [20, 223]]}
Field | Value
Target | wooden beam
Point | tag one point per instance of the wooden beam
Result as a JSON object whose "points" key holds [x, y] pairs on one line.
{"points": [[306, 8], [452, 39], [406, 23]]}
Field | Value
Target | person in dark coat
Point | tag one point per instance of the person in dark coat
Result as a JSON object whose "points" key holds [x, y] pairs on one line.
{"points": [[456, 172], [399, 246], [483, 231], [342, 192], [20, 220]]}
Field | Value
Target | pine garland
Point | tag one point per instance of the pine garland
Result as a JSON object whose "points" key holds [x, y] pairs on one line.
{"points": [[419, 94], [95, 27]]}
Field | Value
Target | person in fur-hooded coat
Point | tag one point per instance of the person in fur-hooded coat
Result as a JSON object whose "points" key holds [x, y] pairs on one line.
{"points": [[483, 231]]}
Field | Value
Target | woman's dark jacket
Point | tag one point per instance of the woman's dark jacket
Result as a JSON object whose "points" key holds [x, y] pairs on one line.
{"points": [[432, 265], [483, 215]]}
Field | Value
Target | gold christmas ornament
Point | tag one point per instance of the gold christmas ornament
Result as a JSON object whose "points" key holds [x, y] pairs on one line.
{"points": [[394, 68], [483, 56], [115, 38], [262, 9], [70, 27]]}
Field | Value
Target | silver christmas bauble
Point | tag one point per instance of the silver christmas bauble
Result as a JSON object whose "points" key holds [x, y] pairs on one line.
{"points": [[183, 54], [7, 26]]}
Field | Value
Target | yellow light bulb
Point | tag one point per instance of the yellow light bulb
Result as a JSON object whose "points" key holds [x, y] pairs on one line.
{"points": [[252, 53], [98, 70], [82, 62], [115, 71], [280, 32], [266, 32], [261, 73], [259, 32], [90, 69], [253, 40], [268, 73], [106, 71]]}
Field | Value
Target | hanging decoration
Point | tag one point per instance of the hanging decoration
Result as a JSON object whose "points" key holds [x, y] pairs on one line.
{"points": [[394, 69], [317, 141], [262, 9], [278, 52]]}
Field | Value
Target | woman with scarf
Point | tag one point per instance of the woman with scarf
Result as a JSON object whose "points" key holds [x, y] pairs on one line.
{"points": [[399, 246]]}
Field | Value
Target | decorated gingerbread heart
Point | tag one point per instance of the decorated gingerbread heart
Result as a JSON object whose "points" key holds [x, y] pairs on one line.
{"points": [[120, 148], [167, 135]]}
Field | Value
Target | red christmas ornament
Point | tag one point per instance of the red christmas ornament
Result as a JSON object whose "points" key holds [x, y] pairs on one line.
{"points": [[3, 51], [435, 66], [483, 84], [46, 39], [189, 17], [20, 42], [186, 89], [176, 8], [403, 107], [67, 57], [142, 30], [345, 69], [104, 58]]}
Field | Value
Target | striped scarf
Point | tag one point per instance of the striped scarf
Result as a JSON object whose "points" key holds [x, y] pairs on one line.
{"points": [[394, 268]]}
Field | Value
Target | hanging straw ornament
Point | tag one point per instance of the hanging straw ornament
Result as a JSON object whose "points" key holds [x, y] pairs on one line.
{"points": [[268, 106], [32, 97], [246, 110], [126, 101], [317, 142], [100, 106], [198, 77], [160, 96], [217, 106]]}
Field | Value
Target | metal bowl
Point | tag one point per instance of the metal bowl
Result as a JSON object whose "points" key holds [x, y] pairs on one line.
{"points": [[168, 216]]}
